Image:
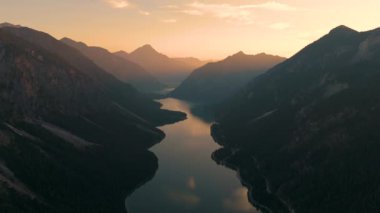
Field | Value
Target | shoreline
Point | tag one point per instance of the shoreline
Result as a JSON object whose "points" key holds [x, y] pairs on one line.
{"points": [[235, 159]]}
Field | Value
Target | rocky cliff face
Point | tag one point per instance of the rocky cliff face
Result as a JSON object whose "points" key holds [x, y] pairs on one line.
{"points": [[311, 124], [72, 137]]}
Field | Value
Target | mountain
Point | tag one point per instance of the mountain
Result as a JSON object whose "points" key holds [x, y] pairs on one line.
{"points": [[122, 54], [170, 71], [191, 61], [122, 68], [72, 137], [6, 24], [304, 135], [216, 81]]}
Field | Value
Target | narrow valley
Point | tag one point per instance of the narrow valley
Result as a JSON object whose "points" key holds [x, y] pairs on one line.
{"points": [[188, 180]]}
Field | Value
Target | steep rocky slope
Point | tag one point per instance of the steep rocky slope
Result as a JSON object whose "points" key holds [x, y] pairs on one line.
{"points": [[305, 134], [72, 137]]}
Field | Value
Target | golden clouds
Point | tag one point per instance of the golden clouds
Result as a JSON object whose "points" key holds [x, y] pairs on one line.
{"points": [[118, 4]]}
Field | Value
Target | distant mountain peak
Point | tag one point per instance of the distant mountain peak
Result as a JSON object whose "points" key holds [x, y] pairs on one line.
{"points": [[342, 29], [72, 42], [6, 24], [121, 52], [243, 56], [147, 51], [237, 55], [146, 48], [240, 53], [68, 39], [262, 54]]}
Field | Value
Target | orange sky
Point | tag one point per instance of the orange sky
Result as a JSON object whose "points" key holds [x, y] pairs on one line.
{"points": [[209, 29]]}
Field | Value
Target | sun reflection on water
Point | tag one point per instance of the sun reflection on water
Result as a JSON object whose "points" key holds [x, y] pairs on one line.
{"points": [[188, 180]]}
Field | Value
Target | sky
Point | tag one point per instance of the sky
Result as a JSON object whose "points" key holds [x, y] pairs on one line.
{"points": [[208, 29]]}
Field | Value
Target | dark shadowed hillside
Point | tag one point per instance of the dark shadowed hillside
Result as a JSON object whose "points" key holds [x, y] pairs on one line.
{"points": [[171, 71], [305, 134], [217, 81], [70, 133]]}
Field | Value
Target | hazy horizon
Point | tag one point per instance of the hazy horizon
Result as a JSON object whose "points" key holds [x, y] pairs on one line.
{"points": [[207, 30], [86, 130]]}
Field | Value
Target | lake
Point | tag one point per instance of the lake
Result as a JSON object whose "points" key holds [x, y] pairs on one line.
{"points": [[188, 180]]}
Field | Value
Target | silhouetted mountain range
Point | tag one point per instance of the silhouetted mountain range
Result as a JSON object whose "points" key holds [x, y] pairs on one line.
{"points": [[120, 67], [192, 62], [304, 135], [217, 81], [6, 24], [70, 133], [170, 71]]}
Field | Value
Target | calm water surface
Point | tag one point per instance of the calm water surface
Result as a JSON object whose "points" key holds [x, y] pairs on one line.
{"points": [[188, 180]]}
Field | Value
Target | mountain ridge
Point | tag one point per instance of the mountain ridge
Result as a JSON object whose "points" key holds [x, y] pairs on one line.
{"points": [[122, 68], [215, 81], [63, 116], [168, 70], [306, 127]]}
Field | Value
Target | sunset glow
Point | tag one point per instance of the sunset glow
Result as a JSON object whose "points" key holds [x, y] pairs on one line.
{"points": [[210, 29]]}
